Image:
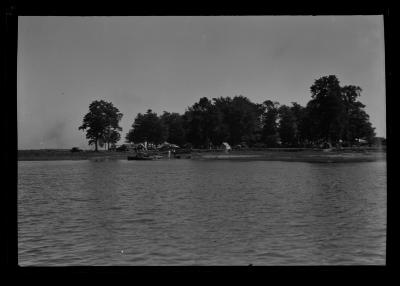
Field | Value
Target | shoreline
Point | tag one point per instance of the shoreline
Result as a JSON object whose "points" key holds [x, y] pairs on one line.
{"points": [[308, 158], [311, 156]]}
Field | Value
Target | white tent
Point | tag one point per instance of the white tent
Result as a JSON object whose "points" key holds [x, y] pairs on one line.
{"points": [[226, 146], [169, 145]]}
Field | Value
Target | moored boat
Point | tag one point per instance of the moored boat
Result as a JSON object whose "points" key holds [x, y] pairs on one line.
{"points": [[139, 158]]}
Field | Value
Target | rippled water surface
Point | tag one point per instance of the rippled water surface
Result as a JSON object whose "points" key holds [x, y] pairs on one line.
{"points": [[185, 212]]}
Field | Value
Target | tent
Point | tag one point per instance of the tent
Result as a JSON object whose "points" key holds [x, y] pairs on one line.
{"points": [[226, 146], [167, 145]]}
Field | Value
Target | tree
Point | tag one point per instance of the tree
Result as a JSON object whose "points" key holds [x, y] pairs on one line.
{"points": [[299, 113], [270, 123], [113, 138], [147, 127], [202, 122], [327, 109], [360, 127], [234, 120], [101, 120], [287, 126], [239, 117], [357, 120], [174, 124], [334, 113]]}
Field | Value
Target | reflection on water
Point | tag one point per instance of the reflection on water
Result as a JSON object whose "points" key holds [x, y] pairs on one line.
{"points": [[184, 212]]}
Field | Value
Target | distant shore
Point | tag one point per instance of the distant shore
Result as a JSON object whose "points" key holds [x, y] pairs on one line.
{"points": [[278, 154], [310, 156]]}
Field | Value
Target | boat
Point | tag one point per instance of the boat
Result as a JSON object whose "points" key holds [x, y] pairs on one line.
{"points": [[141, 156], [145, 156]]}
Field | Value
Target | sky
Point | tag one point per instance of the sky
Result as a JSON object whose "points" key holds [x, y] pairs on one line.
{"points": [[167, 63]]}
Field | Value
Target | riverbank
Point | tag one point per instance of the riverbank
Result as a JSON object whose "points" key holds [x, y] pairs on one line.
{"points": [[58, 154], [303, 155]]}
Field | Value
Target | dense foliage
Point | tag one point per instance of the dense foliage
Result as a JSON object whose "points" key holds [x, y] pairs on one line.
{"points": [[147, 127], [102, 123], [332, 115]]}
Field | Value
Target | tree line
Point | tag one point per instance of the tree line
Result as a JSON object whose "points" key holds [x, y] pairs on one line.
{"points": [[334, 113]]}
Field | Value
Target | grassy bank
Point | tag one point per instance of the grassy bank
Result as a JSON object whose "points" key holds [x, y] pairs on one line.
{"points": [[291, 155], [57, 154]]}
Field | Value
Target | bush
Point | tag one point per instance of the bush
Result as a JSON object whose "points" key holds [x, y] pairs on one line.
{"points": [[122, 148], [75, 149]]}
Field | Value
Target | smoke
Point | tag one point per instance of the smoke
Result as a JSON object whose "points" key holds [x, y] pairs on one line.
{"points": [[55, 136]]}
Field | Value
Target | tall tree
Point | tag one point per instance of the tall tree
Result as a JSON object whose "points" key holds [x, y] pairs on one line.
{"points": [[102, 119], [357, 120], [239, 117], [327, 109], [299, 113], [174, 124], [113, 138], [287, 126], [202, 122], [270, 123], [147, 127]]}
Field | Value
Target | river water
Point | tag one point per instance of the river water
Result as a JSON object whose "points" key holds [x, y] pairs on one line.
{"points": [[187, 212]]}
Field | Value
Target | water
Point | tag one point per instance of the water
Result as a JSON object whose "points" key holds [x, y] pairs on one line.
{"points": [[185, 212]]}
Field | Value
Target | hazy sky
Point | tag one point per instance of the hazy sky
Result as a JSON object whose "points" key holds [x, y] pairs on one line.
{"points": [[168, 63]]}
